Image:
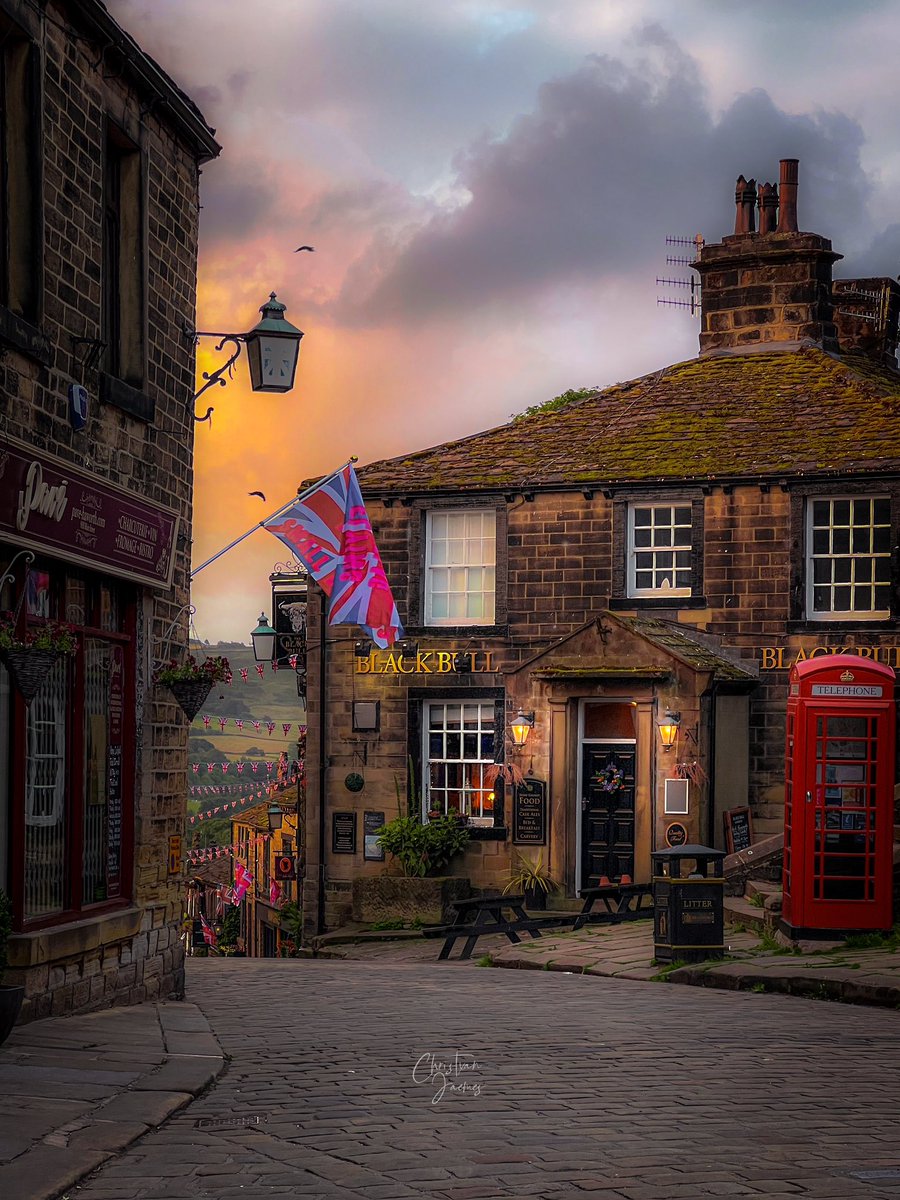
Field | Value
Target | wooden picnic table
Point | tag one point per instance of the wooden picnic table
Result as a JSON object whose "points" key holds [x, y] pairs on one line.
{"points": [[621, 902], [483, 915]]}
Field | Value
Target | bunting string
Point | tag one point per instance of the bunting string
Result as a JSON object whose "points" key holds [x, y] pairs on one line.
{"points": [[253, 798], [200, 854]]}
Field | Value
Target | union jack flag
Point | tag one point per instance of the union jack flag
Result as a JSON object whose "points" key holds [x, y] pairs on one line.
{"points": [[243, 881], [209, 934], [329, 531]]}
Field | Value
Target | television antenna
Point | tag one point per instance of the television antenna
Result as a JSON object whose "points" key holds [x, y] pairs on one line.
{"points": [[682, 260]]}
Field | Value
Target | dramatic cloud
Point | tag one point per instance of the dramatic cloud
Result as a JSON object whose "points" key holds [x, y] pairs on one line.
{"points": [[488, 185]]}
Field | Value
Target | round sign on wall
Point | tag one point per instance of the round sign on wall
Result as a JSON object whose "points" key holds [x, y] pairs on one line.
{"points": [[676, 834]]}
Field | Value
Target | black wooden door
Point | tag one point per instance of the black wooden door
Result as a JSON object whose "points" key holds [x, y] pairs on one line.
{"points": [[607, 826]]}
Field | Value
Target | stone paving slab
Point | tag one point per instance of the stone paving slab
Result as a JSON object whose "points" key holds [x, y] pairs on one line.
{"points": [[626, 952], [75, 1091]]}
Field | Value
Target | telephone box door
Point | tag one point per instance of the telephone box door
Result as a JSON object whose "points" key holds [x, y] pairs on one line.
{"points": [[839, 830]]}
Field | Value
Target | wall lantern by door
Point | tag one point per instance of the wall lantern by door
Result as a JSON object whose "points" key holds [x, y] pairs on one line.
{"points": [[668, 729]]}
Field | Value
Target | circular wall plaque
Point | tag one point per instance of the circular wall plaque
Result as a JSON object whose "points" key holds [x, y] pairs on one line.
{"points": [[676, 834], [354, 782]]}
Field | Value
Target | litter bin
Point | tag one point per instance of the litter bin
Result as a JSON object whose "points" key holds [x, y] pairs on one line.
{"points": [[688, 893]]}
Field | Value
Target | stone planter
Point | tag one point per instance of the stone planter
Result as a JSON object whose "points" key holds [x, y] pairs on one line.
{"points": [[380, 897], [10, 1006]]}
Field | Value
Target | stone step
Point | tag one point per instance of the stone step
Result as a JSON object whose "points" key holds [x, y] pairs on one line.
{"points": [[740, 911]]}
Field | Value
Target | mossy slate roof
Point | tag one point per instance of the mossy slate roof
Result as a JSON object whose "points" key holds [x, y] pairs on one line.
{"points": [[797, 412]]}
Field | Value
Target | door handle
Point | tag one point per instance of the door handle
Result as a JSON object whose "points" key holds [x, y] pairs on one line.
{"points": [[809, 797], [584, 803]]}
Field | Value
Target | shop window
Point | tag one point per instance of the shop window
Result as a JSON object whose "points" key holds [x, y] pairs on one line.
{"points": [[69, 795], [459, 749], [460, 566], [659, 550], [848, 558]]}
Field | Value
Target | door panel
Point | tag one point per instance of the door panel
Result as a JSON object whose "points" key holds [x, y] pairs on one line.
{"points": [[607, 803]]}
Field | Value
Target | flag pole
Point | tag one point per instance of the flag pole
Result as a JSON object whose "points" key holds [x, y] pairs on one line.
{"points": [[261, 524]]}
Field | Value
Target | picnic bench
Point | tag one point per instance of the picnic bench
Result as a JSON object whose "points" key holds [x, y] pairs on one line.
{"points": [[621, 902], [481, 916]]}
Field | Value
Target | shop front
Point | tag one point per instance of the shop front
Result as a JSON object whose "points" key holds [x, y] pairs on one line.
{"points": [[626, 736], [77, 551]]}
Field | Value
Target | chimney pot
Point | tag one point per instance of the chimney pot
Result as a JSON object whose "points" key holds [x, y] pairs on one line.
{"points": [[745, 201], [787, 213], [768, 203]]}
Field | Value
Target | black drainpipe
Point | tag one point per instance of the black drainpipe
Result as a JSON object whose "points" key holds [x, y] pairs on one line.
{"points": [[711, 790], [323, 658]]}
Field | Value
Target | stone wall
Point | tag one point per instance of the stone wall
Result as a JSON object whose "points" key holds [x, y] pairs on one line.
{"points": [[116, 958]]}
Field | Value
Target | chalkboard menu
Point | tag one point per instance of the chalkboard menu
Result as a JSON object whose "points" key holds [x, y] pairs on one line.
{"points": [[738, 830], [676, 834], [372, 822], [530, 812], [343, 833]]}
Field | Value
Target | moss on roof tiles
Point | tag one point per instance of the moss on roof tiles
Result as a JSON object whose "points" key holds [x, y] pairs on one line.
{"points": [[797, 412]]}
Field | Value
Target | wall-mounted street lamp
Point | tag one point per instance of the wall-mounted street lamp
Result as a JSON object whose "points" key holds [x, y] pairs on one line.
{"points": [[276, 816], [668, 729], [273, 347], [263, 639], [521, 726]]}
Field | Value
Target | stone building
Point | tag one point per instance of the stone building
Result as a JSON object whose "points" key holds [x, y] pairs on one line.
{"points": [[99, 216], [271, 858], [624, 567]]}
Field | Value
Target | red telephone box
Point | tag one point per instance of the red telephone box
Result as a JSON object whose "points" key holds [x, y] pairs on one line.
{"points": [[839, 796]]}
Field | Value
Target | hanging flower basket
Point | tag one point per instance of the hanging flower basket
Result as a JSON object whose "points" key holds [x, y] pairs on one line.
{"points": [[29, 669], [191, 682], [31, 656], [190, 694]]}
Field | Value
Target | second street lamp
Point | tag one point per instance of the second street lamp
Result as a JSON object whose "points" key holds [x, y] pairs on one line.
{"points": [[263, 639]]}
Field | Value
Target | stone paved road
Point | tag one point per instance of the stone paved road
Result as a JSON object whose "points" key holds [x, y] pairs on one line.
{"points": [[584, 1087]]}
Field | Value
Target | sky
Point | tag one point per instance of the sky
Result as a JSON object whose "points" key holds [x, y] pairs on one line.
{"points": [[488, 185]]}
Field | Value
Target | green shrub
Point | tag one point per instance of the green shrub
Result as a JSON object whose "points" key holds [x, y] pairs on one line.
{"points": [[423, 849]]}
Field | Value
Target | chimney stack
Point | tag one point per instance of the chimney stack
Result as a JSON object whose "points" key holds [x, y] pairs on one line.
{"points": [[770, 289]]}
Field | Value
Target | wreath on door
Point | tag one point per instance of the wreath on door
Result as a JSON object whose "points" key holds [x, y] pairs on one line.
{"points": [[610, 778]]}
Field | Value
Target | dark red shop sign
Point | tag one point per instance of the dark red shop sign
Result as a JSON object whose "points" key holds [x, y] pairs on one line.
{"points": [[48, 504]]}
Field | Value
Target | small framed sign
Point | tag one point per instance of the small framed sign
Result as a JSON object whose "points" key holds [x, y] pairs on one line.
{"points": [[676, 797], [343, 833], [372, 822], [738, 830]]}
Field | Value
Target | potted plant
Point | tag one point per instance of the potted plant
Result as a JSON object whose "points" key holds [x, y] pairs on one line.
{"points": [[31, 655], [533, 880], [11, 996], [190, 682]]}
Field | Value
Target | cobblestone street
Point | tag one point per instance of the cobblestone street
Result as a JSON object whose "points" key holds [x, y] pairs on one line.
{"points": [[604, 1088]]}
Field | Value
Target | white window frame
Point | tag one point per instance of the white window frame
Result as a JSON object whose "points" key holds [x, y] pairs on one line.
{"points": [[809, 559], [431, 567], [632, 551], [475, 818]]}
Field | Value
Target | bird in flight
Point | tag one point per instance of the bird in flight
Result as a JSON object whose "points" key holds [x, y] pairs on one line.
{"points": [[299, 248], [260, 494]]}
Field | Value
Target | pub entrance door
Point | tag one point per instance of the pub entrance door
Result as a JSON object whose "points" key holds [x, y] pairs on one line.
{"points": [[607, 811]]}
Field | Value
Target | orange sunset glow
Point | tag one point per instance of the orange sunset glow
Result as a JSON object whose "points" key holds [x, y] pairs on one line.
{"points": [[488, 188]]}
